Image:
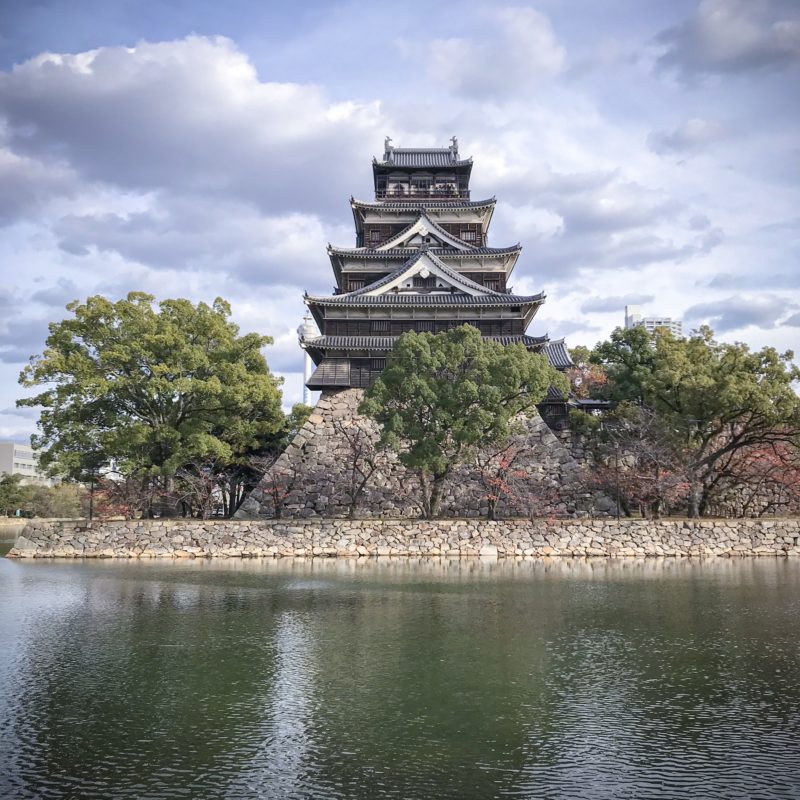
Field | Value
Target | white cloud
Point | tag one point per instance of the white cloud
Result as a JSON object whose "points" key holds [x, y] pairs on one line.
{"points": [[521, 51], [729, 36], [742, 311], [187, 116], [689, 137]]}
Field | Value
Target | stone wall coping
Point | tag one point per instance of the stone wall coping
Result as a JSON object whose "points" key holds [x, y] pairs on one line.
{"points": [[193, 538]]}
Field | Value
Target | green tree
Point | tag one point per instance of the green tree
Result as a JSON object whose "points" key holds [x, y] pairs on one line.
{"points": [[627, 359], [720, 399], [236, 479], [443, 396], [63, 501], [13, 495], [715, 399], [153, 386]]}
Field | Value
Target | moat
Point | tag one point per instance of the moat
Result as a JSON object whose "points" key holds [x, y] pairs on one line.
{"points": [[400, 678]]}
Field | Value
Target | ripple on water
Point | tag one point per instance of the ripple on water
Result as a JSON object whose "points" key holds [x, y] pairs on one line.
{"points": [[566, 679]]}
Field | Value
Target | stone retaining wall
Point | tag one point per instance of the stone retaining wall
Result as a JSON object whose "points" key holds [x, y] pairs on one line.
{"points": [[378, 537], [314, 478]]}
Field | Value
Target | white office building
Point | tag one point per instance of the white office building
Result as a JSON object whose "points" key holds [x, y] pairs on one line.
{"points": [[19, 459], [634, 318]]}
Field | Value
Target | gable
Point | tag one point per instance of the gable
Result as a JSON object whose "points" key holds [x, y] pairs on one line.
{"points": [[425, 273], [424, 233]]}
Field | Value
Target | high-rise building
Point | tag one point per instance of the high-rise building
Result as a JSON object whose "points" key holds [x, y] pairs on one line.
{"points": [[634, 318], [422, 262]]}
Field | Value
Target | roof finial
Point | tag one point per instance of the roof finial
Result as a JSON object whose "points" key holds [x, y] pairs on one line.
{"points": [[387, 147], [454, 146]]}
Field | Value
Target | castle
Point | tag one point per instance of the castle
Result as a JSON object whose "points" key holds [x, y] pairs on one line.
{"points": [[421, 262]]}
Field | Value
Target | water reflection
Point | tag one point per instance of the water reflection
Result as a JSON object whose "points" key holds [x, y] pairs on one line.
{"points": [[400, 678]]}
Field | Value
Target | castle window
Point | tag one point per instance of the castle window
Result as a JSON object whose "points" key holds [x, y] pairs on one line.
{"points": [[469, 236]]}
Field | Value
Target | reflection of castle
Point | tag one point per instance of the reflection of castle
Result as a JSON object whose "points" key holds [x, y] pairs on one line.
{"points": [[421, 263]]}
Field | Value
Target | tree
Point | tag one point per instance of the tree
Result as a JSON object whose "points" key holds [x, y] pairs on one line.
{"points": [[443, 396], [63, 501], [714, 399], [586, 378], [627, 359], [235, 480], [153, 386], [719, 399], [758, 480], [636, 461], [361, 454], [13, 495]]}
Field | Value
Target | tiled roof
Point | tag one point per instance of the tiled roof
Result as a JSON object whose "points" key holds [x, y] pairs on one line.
{"points": [[440, 252], [332, 372], [387, 342], [558, 354], [423, 203], [553, 394], [424, 157], [495, 300]]}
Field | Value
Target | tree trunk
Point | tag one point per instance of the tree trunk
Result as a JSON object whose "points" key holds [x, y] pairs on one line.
{"points": [[694, 497], [436, 495]]}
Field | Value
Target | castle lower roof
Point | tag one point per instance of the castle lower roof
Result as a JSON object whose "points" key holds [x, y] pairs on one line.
{"points": [[449, 204], [558, 354], [495, 300], [408, 252], [385, 343]]}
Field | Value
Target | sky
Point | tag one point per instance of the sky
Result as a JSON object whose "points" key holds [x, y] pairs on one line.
{"points": [[642, 152]]}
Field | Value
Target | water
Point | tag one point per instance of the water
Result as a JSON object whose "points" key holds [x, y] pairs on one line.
{"points": [[400, 679]]}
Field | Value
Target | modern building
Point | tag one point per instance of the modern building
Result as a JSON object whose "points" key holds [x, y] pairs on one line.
{"points": [[634, 318], [421, 262], [19, 459]]}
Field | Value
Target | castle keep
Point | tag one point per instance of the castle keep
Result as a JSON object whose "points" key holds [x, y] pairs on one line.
{"points": [[421, 262]]}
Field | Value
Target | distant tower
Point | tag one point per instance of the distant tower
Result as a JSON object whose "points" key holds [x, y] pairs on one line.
{"points": [[306, 331]]}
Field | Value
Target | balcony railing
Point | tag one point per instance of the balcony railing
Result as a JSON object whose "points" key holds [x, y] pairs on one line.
{"points": [[418, 193]]}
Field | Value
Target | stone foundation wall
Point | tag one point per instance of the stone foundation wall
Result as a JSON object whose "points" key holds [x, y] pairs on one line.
{"points": [[314, 477], [457, 537]]}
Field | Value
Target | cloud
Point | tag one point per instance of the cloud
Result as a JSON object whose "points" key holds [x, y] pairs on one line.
{"points": [[750, 280], [793, 321], [60, 293], [616, 303], [519, 50], [26, 412], [735, 313], [190, 116], [200, 235], [733, 36], [20, 338], [28, 184], [688, 138]]}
